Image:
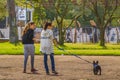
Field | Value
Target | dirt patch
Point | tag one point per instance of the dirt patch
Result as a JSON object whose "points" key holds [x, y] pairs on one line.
{"points": [[69, 68]]}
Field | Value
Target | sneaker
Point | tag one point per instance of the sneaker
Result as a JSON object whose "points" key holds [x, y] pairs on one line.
{"points": [[54, 72], [33, 70], [47, 73], [24, 71]]}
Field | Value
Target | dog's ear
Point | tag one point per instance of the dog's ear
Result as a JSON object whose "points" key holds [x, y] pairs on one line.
{"points": [[93, 62], [97, 62]]}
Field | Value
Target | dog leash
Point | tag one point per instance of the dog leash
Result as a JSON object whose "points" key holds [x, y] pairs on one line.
{"points": [[74, 55]]}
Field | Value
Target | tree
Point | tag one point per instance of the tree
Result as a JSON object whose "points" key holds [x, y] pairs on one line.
{"points": [[61, 9], [64, 9], [3, 8], [39, 12], [104, 11], [58, 10], [12, 21]]}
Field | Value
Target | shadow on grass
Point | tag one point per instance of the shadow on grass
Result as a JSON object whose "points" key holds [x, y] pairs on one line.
{"points": [[104, 47]]}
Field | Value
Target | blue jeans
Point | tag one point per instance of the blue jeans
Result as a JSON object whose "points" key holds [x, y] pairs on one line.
{"points": [[29, 49], [52, 62]]}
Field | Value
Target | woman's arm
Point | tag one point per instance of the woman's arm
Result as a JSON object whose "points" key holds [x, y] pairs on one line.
{"points": [[55, 42]]}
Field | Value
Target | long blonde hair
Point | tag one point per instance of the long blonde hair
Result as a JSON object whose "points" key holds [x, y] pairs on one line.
{"points": [[27, 26]]}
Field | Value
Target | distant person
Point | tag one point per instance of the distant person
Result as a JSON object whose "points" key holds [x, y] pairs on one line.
{"points": [[47, 47], [28, 41], [68, 39], [95, 33]]}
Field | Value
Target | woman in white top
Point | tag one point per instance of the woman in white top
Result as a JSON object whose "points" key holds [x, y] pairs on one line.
{"points": [[46, 48]]}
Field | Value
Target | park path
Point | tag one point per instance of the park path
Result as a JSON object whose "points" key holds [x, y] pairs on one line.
{"points": [[69, 68]]}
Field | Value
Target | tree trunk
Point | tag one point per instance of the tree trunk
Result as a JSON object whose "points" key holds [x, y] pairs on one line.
{"points": [[117, 31], [12, 21], [61, 31], [61, 34], [75, 36], [102, 34]]}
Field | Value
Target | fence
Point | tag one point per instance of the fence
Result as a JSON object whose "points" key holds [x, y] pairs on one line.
{"points": [[79, 35], [90, 34]]}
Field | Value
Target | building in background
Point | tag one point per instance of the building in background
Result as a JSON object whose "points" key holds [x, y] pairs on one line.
{"points": [[21, 18]]}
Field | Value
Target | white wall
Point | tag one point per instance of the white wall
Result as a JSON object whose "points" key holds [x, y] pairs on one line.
{"points": [[5, 32]]}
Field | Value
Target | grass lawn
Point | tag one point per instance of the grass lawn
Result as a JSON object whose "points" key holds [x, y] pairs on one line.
{"points": [[81, 49]]}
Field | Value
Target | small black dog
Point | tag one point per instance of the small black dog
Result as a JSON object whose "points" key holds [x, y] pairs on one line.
{"points": [[96, 68]]}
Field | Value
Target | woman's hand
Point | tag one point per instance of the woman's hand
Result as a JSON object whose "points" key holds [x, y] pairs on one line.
{"points": [[55, 42], [34, 39]]}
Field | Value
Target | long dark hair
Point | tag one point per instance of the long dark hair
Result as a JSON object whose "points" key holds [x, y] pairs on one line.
{"points": [[46, 25]]}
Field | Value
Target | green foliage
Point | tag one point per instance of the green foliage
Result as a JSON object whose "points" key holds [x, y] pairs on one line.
{"points": [[39, 15], [116, 17], [42, 13], [104, 12], [3, 8]]}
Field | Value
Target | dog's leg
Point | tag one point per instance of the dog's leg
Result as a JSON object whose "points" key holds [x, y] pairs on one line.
{"points": [[94, 71], [99, 70]]}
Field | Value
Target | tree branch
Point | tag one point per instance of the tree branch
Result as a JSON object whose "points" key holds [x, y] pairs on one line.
{"points": [[116, 6], [75, 17]]}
